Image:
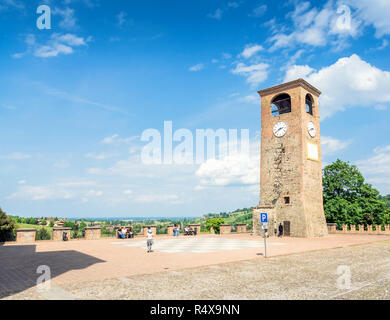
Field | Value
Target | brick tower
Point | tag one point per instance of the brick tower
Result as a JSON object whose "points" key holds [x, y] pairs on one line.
{"points": [[290, 169]]}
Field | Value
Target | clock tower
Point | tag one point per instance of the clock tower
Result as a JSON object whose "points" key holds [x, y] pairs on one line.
{"points": [[290, 168]]}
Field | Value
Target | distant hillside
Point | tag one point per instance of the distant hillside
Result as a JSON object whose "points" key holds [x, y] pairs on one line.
{"points": [[234, 217]]}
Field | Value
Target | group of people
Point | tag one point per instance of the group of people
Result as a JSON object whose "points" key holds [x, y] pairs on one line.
{"points": [[189, 231], [125, 233]]}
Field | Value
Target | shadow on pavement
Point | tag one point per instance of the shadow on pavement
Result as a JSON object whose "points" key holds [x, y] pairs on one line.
{"points": [[18, 266]]}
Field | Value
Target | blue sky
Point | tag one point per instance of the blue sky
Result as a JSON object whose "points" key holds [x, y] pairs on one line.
{"points": [[75, 99]]}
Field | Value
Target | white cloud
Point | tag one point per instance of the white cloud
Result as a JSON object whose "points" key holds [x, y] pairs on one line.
{"points": [[251, 50], [59, 44], [376, 168], [9, 4], [332, 145], [295, 72], [115, 139], [99, 156], [231, 170], [197, 67], [216, 15], [39, 193], [53, 50], [252, 99], [16, 156], [255, 73], [121, 18], [373, 12], [68, 21], [259, 11], [171, 198], [234, 168], [350, 82], [314, 27], [127, 192]]}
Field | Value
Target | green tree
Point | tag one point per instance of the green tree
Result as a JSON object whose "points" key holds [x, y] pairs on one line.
{"points": [[44, 222], [7, 227], [348, 199], [42, 234], [214, 223], [51, 225]]}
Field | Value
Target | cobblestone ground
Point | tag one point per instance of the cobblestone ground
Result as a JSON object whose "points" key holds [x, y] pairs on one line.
{"points": [[310, 275]]}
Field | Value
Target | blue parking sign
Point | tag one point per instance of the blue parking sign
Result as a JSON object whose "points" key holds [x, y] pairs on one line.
{"points": [[264, 217]]}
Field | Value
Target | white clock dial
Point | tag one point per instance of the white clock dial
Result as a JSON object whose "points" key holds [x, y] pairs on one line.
{"points": [[280, 129], [311, 129]]}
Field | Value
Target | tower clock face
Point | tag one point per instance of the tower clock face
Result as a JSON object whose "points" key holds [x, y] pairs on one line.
{"points": [[311, 129], [280, 129]]}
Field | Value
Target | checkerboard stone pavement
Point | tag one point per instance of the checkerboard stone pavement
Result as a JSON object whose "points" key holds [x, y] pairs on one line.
{"points": [[197, 245]]}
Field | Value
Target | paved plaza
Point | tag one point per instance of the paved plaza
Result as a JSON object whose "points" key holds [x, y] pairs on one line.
{"points": [[216, 266], [198, 245]]}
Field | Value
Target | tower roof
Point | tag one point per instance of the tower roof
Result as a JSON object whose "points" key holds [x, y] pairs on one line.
{"points": [[289, 85]]}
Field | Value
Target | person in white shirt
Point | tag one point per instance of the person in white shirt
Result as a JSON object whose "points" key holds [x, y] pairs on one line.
{"points": [[149, 240]]}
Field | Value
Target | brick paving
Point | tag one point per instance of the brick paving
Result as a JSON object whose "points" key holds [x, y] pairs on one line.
{"points": [[85, 262]]}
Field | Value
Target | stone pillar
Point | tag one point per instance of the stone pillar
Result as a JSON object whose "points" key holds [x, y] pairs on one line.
{"points": [[225, 228], [197, 226], [353, 228], [57, 233], [170, 230], [331, 227], [145, 230], [378, 228], [241, 228], [345, 228], [369, 228], [361, 228], [25, 235], [93, 232]]}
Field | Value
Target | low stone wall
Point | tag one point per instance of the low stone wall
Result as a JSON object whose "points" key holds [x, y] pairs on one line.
{"points": [[58, 231], [170, 230], [241, 228], [225, 228], [197, 226], [353, 230], [145, 230], [93, 233], [26, 235]]}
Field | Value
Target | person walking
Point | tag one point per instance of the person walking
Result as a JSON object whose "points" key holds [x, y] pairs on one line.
{"points": [[275, 228], [280, 230], [174, 231], [149, 241], [177, 230]]}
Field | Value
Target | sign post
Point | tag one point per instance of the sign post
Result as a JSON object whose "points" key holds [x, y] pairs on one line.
{"points": [[264, 225]]}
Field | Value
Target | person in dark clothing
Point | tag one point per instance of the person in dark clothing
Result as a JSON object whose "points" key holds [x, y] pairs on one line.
{"points": [[280, 230]]}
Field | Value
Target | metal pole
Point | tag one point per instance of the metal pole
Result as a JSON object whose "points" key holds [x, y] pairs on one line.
{"points": [[265, 244]]}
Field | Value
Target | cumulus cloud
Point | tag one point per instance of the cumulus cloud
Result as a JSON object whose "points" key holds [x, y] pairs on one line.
{"points": [[255, 73], [332, 145], [373, 12], [316, 27], [68, 21], [349, 82], [58, 44], [376, 168], [251, 50], [234, 168]]}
